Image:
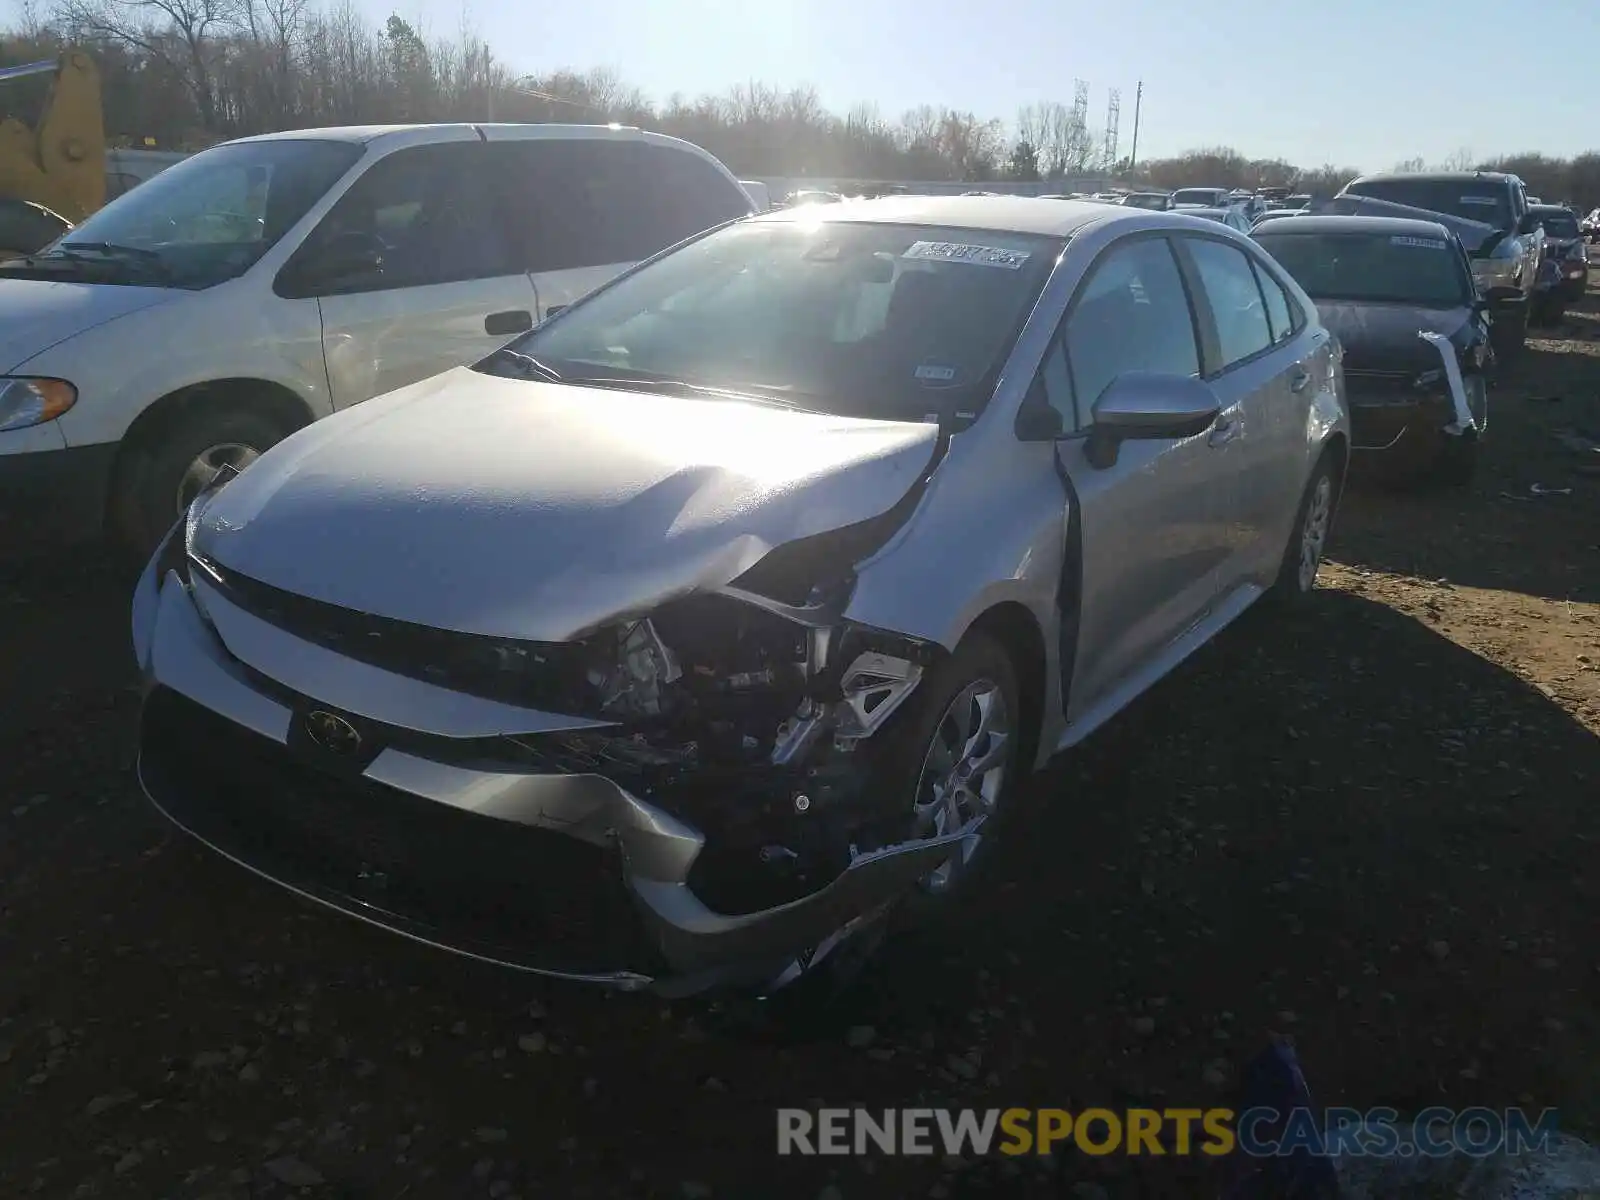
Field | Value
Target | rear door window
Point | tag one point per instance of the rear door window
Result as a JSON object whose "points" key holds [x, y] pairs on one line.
{"points": [[684, 195], [571, 202], [1235, 300], [1280, 309]]}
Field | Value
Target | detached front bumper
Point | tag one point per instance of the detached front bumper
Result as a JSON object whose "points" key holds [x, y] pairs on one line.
{"points": [[566, 875]]}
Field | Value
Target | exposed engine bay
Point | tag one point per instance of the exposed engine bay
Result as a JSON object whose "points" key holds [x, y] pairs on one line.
{"points": [[750, 725]]}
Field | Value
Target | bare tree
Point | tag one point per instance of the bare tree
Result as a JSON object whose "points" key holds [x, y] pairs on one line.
{"points": [[177, 33]]}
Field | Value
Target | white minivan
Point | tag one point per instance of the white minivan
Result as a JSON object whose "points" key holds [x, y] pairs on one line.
{"points": [[264, 283]]}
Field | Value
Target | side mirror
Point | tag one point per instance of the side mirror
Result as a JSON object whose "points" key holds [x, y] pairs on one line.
{"points": [[1149, 405]]}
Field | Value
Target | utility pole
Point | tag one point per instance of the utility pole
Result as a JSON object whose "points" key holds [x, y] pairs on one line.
{"points": [[1133, 155]]}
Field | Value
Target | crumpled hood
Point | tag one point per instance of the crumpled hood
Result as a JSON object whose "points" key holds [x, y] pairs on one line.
{"points": [[539, 511], [1384, 337], [36, 314]]}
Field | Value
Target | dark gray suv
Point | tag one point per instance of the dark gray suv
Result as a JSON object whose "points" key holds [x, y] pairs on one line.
{"points": [[1489, 212]]}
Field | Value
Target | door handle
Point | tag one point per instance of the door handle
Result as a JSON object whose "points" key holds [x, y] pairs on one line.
{"points": [[1224, 431], [1300, 380], [501, 324]]}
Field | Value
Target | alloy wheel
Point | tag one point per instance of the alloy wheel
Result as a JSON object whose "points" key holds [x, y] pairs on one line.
{"points": [[1314, 531], [204, 466], [963, 773]]}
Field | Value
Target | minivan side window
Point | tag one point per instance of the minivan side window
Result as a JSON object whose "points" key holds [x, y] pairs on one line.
{"points": [[686, 196], [427, 210], [1234, 298], [572, 202], [1131, 315]]}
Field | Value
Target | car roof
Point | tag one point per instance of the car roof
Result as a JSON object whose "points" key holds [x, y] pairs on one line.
{"points": [[365, 134], [999, 214], [1391, 226], [1444, 176]]}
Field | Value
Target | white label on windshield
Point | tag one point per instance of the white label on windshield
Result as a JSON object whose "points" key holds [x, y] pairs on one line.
{"points": [[1423, 243], [1486, 201], [938, 374], [983, 256]]}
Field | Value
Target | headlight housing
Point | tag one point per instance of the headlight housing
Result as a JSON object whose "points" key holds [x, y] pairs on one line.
{"points": [[26, 401], [1508, 249]]}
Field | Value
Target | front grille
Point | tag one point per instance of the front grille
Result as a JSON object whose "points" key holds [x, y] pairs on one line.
{"points": [[477, 883], [550, 675]]}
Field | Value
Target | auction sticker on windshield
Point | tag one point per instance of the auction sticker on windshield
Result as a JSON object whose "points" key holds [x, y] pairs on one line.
{"points": [[1421, 243], [1486, 201], [983, 256]]}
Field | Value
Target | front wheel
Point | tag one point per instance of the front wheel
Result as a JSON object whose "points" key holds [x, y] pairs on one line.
{"points": [[1302, 557], [949, 763], [182, 462]]}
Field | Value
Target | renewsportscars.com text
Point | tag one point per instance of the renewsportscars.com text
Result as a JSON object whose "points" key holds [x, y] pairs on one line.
{"points": [[1212, 1132]]}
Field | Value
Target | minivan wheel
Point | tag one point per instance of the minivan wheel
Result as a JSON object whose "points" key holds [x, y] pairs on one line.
{"points": [[183, 461], [950, 763], [1302, 557]]}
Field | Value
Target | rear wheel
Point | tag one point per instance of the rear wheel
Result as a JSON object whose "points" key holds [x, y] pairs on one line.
{"points": [[1302, 557]]}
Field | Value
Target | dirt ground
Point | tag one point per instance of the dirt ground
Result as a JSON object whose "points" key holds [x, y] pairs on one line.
{"points": [[1372, 826]]}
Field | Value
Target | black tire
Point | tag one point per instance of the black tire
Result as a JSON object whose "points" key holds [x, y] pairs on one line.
{"points": [[899, 760], [1291, 586], [148, 503], [1458, 460]]}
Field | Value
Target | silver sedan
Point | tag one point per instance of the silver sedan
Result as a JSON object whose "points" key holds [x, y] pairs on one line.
{"points": [[684, 639]]}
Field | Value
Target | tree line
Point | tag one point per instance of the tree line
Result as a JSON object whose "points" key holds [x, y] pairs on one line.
{"points": [[184, 74]]}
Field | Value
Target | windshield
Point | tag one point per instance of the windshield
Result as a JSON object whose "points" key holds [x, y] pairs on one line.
{"points": [[895, 322], [1203, 196], [1376, 268], [1560, 224], [208, 218], [1153, 200], [1486, 202]]}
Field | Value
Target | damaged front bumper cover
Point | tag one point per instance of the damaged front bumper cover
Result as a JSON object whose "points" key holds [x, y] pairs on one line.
{"points": [[563, 875]]}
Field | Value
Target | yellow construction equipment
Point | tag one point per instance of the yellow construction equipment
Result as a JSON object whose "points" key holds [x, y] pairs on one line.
{"points": [[59, 165]]}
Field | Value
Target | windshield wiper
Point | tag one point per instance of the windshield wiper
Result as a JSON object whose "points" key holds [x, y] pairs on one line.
{"points": [[679, 387], [526, 365], [112, 250]]}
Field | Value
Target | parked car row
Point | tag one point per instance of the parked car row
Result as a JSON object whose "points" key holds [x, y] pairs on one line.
{"points": [[548, 555]]}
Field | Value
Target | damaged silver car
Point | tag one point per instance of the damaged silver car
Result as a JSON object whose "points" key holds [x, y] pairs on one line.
{"points": [[684, 639]]}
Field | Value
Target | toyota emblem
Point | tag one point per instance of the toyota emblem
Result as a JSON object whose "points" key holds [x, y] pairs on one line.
{"points": [[332, 732]]}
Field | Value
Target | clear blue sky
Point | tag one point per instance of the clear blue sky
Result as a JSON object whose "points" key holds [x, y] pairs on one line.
{"points": [[1364, 83]]}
